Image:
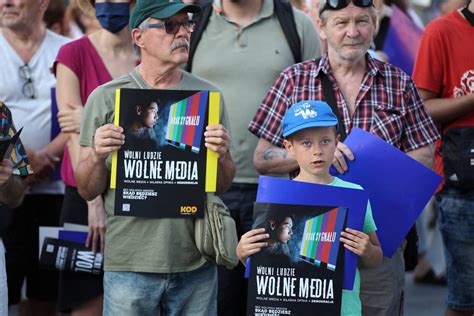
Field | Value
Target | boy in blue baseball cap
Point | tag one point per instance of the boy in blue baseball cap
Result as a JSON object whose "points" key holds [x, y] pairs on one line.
{"points": [[310, 132]]}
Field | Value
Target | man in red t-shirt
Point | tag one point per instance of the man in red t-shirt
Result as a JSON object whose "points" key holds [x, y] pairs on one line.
{"points": [[444, 75]]}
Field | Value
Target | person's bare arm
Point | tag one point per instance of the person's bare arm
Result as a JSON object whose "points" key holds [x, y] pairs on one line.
{"points": [[55, 148], [446, 110], [269, 158], [217, 139], [70, 108], [12, 187], [225, 172], [91, 173], [44, 160], [423, 155]]}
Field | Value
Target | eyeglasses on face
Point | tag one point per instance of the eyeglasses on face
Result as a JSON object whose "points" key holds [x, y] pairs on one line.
{"points": [[172, 27], [341, 4], [28, 88]]}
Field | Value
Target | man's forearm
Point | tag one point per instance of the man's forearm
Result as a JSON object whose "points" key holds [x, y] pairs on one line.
{"points": [[225, 173], [445, 110], [424, 155], [269, 158], [91, 174], [12, 194], [56, 146], [73, 147]]}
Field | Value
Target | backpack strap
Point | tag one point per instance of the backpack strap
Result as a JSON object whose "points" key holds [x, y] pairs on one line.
{"points": [[284, 12], [202, 21], [330, 97]]}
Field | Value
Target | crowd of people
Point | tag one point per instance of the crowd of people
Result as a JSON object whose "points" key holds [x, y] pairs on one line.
{"points": [[268, 59]]}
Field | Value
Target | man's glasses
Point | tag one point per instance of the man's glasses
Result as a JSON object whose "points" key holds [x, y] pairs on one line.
{"points": [[28, 88], [172, 27], [341, 4]]}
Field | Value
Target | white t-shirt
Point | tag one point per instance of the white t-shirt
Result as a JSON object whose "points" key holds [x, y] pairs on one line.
{"points": [[34, 115]]}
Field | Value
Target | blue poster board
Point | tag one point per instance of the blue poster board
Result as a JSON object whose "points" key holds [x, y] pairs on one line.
{"points": [[282, 191], [399, 187]]}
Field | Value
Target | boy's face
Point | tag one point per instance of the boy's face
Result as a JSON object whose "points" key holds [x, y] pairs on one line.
{"points": [[313, 149], [284, 230], [151, 115]]}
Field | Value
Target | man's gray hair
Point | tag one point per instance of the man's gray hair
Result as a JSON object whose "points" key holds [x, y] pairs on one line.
{"points": [[324, 16], [141, 27]]}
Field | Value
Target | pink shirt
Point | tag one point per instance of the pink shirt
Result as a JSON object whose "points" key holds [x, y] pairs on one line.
{"points": [[81, 57]]}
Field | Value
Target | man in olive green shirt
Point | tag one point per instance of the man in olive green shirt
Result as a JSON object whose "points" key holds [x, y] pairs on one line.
{"points": [[152, 266]]}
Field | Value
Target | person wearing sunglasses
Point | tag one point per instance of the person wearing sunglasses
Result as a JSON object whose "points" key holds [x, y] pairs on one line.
{"points": [[152, 266], [367, 94], [27, 50]]}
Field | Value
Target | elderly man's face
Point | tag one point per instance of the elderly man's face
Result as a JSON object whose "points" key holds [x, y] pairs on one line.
{"points": [[348, 32], [16, 14], [164, 47]]}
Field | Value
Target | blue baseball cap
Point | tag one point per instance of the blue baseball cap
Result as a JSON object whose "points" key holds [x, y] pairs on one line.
{"points": [[306, 114]]}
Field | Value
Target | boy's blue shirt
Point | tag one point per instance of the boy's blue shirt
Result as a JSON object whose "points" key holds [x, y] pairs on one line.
{"points": [[351, 304]]}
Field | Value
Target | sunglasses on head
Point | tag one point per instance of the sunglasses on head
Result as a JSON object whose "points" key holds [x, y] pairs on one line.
{"points": [[28, 88], [341, 4], [172, 27]]}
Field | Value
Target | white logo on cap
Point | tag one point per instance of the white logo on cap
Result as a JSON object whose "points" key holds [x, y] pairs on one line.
{"points": [[305, 111]]}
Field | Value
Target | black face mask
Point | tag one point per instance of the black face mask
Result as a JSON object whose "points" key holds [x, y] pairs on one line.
{"points": [[113, 16], [468, 15]]}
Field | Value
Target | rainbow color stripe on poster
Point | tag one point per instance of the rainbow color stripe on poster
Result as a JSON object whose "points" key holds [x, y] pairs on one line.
{"points": [[320, 243], [185, 125]]}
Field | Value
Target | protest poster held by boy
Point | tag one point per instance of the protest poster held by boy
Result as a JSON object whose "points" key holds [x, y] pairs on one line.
{"points": [[310, 131]]}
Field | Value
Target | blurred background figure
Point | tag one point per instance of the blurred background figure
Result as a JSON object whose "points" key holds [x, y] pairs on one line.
{"points": [[87, 23], [398, 34], [67, 19], [56, 19], [13, 170], [444, 75], [450, 5], [299, 4], [81, 66], [28, 49]]}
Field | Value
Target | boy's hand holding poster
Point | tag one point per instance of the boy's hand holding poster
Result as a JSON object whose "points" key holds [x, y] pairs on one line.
{"points": [[164, 169], [300, 271], [301, 193]]}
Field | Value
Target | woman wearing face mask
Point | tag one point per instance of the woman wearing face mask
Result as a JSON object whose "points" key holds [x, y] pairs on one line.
{"points": [[80, 67]]}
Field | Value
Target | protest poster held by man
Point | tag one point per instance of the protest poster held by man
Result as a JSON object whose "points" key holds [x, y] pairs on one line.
{"points": [[162, 270]]}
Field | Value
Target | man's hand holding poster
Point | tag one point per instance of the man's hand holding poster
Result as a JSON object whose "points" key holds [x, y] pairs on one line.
{"points": [[162, 169]]}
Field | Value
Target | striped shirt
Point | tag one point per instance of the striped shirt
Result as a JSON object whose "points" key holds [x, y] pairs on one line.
{"points": [[387, 105]]}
